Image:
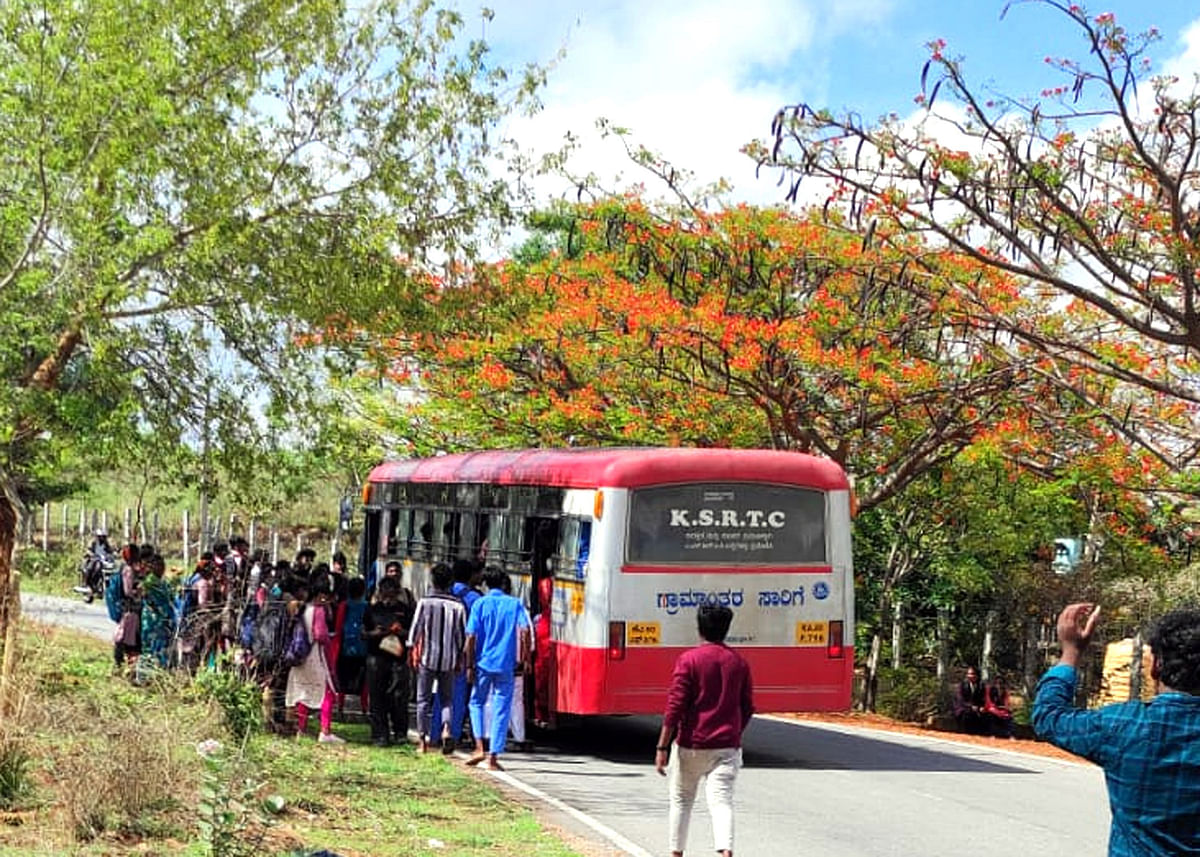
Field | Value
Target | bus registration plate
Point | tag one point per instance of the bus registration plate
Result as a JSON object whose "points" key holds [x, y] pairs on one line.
{"points": [[811, 633], [644, 634]]}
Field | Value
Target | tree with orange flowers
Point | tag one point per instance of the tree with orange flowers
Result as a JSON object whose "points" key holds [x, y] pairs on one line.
{"points": [[1085, 191], [745, 327], [749, 327]]}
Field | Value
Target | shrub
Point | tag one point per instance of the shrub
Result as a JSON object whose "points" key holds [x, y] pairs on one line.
{"points": [[15, 783], [908, 694], [240, 700]]}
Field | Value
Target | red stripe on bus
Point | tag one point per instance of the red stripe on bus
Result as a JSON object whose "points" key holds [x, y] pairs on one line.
{"points": [[786, 679], [639, 568]]}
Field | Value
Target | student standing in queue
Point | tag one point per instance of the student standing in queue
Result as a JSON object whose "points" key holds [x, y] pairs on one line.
{"points": [[497, 639], [436, 651]]}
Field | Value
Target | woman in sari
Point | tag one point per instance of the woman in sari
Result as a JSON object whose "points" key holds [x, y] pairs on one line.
{"points": [[158, 615]]}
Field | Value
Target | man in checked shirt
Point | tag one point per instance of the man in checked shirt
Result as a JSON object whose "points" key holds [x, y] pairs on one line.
{"points": [[1150, 752], [435, 645]]}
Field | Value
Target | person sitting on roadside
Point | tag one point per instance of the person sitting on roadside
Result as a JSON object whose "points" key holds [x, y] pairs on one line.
{"points": [[969, 704], [997, 710], [1150, 751]]}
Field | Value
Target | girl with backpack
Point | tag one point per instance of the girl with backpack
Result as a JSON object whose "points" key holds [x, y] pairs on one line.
{"points": [[352, 647], [310, 682], [126, 644]]}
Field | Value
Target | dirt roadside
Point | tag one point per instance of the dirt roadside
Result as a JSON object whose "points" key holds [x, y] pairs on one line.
{"points": [[878, 722]]}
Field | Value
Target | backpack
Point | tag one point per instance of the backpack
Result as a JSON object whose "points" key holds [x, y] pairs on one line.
{"points": [[272, 632], [299, 645], [248, 623], [114, 595], [353, 644], [186, 600]]}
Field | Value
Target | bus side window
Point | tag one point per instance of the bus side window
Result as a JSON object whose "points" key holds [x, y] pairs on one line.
{"points": [[439, 533], [584, 549], [575, 545], [421, 545], [450, 534], [401, 530], [480, 537]]}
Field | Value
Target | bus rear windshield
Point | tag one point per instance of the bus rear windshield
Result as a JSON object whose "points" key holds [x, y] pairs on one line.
{"points": [[727, 524]]}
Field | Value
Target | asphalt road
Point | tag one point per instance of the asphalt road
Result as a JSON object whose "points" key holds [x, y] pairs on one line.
{"points": [[806, 789], [70, 612], [814, 789]]}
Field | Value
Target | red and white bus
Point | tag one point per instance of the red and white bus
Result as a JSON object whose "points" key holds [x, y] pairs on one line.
{"points": [[633, 541]]}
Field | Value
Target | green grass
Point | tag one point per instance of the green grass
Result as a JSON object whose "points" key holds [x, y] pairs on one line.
{"points": [[113, 770], [50, 573]]}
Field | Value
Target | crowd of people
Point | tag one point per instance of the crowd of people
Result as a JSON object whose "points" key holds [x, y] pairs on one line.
{"points": [[310, 633]]}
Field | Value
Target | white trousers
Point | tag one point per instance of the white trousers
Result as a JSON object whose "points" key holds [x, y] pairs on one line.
{"points": [[718, 768]]}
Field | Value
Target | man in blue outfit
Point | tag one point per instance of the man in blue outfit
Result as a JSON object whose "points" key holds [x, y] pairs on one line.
{"points": [[497, 638], [467, 576], [1150, 752]]}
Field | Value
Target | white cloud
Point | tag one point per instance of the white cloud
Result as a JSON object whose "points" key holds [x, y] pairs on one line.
{"points": [[693, 81], [1186, 63]]}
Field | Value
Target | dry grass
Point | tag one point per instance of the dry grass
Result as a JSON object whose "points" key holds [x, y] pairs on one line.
{"points": [[115, 772], [109, 758]]}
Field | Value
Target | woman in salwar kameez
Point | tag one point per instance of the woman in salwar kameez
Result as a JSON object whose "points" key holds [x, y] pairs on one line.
{"points": [[310, 683]]}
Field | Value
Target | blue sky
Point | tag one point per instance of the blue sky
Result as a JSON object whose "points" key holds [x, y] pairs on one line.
{"points": [[695, 79]]}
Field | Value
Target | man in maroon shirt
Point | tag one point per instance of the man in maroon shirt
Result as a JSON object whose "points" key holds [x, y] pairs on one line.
{"points": [[709, 703]]}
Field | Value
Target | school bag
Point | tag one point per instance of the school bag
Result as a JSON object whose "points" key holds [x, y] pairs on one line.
{"points": [[187, 600], [247, 625], [353, 644], [299, 645], [272, 632], [114, 594]]}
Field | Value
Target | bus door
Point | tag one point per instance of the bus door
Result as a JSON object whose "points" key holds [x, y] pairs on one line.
{"points": [[368, 548], [541, 537]]}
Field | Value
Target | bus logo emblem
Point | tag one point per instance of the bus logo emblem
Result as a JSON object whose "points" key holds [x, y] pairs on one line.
{"points": [[820, 590]]}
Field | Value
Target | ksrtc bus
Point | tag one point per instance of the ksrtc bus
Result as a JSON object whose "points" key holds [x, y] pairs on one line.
{"points": [[633, 540]]}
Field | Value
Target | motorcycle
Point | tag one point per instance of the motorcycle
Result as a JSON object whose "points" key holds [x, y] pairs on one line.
{"points": [[94, 571]]}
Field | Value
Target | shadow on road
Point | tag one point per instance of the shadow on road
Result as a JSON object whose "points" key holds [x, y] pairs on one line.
{"points": [[767, 744]]}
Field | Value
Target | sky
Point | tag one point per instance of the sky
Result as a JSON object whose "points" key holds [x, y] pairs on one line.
{"points": [[696, 80]]}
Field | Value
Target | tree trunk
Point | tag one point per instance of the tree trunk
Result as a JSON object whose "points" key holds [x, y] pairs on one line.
{"points": [[943, 639], [10, 589], [1033, 656], [985, 656], [897, 633], [871, 683]]}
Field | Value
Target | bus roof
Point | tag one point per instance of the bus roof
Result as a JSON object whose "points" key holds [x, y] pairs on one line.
{"points": [[627, 467]]}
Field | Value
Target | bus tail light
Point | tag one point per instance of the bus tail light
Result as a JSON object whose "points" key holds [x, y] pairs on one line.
{"points": [[366, 493], [616, 641], [834, 647], [598, 505]]}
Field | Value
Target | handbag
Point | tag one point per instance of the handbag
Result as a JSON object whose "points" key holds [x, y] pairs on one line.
{"points": [[392, 645]]}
